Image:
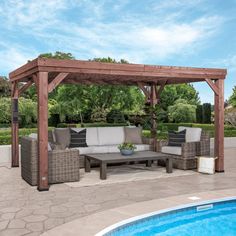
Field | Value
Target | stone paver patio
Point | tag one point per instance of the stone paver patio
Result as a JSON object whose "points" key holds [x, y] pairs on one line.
{"points": [[25, 211]]}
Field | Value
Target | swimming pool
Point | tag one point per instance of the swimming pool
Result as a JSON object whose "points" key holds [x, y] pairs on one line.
{"points": [[216, 218]]}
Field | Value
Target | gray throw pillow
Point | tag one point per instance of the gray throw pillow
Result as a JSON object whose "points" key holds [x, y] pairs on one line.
{"points": [[62, 136], [133, 135]]}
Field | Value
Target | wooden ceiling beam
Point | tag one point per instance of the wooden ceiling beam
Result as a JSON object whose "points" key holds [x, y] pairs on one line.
{"points": [[151, 75], [120, 72]]}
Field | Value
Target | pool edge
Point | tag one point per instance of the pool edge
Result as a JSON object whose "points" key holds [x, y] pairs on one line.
{"points": [[162, 211]]}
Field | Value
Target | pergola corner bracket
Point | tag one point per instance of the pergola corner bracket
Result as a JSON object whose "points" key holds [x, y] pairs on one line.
{"points": [[56, 81], [213, 86]]}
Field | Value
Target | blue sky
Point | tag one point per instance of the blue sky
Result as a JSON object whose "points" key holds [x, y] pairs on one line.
{"points": [[172, 32]]}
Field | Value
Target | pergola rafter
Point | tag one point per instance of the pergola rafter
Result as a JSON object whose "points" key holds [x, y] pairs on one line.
{"points": [[47, 74]]}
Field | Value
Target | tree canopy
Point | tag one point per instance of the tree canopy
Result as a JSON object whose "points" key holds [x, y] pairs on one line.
{"points": [[97, 102], [232, 99]]}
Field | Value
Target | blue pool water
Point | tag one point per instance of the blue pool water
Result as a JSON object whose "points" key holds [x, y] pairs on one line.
{"points": [[211, 219]]}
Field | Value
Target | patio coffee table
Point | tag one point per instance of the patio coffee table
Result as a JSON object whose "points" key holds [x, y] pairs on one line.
{"points": [[107, 158]]}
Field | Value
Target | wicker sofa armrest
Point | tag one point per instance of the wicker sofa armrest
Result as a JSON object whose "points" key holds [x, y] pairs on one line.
{"points": [[189, 149]]}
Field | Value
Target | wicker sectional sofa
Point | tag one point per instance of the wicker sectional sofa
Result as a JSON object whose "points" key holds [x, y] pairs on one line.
{"points": [[64, 164], [106, 140]]}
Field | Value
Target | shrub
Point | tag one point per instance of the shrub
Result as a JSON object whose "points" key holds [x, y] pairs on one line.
{"points": [[199, 114], [115, 116], [181, 111], [230, 116], [99, 115], [5, 110], [206, 113]]}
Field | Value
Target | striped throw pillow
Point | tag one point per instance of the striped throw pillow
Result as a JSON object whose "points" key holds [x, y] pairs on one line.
{"points": [[78, 139], [176, 138]]}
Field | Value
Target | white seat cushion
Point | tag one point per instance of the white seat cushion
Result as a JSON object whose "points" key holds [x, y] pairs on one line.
{"points": [[35, 136], [111, 135], [91, 135], [108, 149], [172, 150], [192, 134]]}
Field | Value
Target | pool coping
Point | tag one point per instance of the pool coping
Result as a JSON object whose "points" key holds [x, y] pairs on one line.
{"points": [[99, 223], [167, 210]]}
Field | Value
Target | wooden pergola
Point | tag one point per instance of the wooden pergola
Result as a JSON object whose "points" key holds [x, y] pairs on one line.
{"points": [[47, 74]]}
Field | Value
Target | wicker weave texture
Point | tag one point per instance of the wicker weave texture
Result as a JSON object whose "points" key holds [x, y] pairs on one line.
{"points": [[189, 150], [63, 165]]}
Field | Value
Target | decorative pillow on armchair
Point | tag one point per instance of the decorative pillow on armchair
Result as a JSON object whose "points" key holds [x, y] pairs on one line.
{"points": [[176, 138]]}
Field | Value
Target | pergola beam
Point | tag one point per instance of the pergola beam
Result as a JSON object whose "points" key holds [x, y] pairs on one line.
{"points": [[213, 86], [145, 90], [118, 71], [56, 81], [43, 72], [25, 87], [153, 100], [219, 126], [14, 125], [43, 131], [158, 92]]}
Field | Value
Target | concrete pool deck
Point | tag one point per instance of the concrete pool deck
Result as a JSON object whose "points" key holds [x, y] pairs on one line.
{"points": [[25, 211], [95, 223]]}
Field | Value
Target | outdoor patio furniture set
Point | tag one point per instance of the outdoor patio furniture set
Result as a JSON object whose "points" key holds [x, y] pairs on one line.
{"points": [[70, 149]]}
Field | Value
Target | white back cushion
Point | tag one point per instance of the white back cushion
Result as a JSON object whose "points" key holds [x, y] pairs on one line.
{"points": [[35, 136], [192, 134], [91, 135], [111, 135]]}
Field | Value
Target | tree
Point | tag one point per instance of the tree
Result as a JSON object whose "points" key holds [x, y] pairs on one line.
{"points": [[230, 116], [27, 111], [206, 113], [181, 111], [232, 99], [199, 114], [171, 93], [57, 55], [5, 87], [31, 92], [5, 110]]}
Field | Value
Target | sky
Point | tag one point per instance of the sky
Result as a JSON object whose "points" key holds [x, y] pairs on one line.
{"points": [[196, 33]]}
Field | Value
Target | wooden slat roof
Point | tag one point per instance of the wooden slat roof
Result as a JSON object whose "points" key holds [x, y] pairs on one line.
{"points": [[89, 72]]}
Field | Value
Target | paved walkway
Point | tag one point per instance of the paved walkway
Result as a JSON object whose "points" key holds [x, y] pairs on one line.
{"points": [[25, 211]]}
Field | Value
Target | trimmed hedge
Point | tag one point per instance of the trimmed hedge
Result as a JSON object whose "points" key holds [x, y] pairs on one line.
{"points": [[5, 134], [162, 132]]}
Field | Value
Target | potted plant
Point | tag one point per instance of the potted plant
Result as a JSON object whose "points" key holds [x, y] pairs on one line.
{"points": [[127, 148]]}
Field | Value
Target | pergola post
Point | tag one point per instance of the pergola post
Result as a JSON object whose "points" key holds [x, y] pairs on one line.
{"points": [[219, 126], [153, 101], [14, 126], [42, 88]]}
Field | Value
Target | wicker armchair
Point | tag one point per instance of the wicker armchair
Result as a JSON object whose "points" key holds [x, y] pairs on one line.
{"points": [[63, 165], [189, 151]]}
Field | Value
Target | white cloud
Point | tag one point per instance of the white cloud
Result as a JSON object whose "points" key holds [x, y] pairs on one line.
{"points": [[136, 38], [14, 57]]}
